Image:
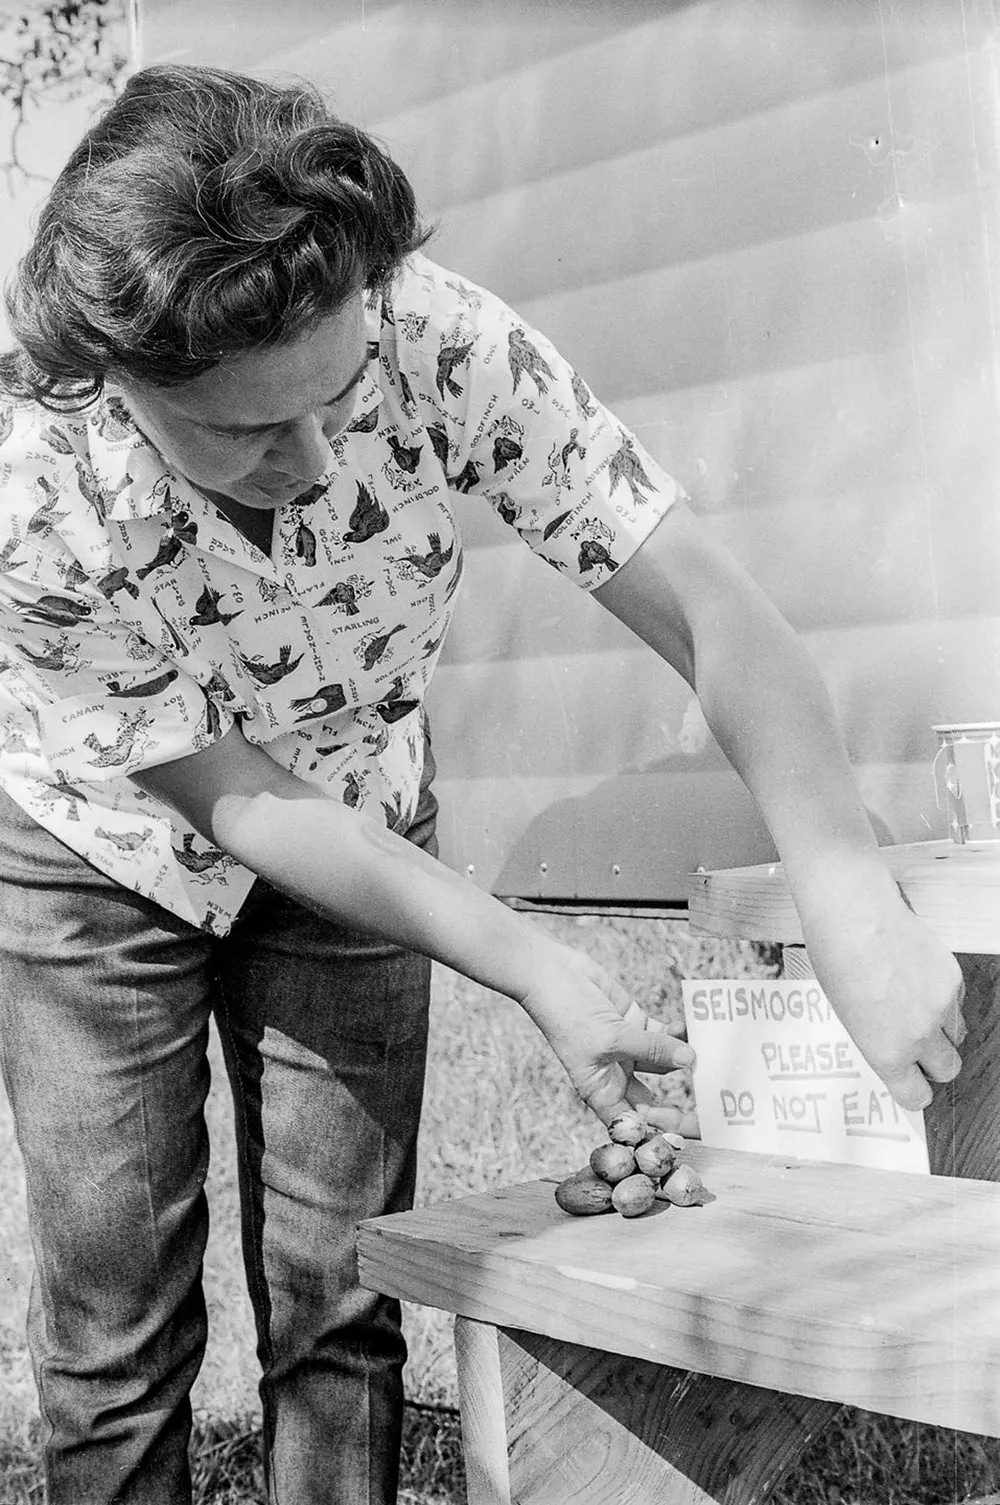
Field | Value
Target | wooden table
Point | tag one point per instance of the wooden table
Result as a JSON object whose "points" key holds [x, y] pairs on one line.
{"points": [[689, 1357]]}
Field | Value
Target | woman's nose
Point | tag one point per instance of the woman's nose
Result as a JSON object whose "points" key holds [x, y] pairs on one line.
{"points": [[302, 448]]}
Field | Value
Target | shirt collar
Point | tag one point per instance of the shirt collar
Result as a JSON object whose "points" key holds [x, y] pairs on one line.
{"points": [[134, 477]]}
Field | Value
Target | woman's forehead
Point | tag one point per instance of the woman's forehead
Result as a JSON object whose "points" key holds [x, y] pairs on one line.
{"points": [[277, 383]]}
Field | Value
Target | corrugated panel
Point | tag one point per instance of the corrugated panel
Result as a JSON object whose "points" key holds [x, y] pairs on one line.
{"points": [[765, 232]]}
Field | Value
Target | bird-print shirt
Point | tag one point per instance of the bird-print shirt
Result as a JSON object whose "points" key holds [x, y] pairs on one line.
{"points": [[137, 624]]}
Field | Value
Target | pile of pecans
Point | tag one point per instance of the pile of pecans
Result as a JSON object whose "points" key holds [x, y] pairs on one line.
{"points": [[638, 1166]]}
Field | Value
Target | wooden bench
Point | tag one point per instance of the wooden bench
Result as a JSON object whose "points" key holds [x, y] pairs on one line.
{"points": [[691, 1355]]}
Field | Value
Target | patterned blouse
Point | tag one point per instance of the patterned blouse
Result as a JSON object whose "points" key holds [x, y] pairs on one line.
{"points": [[137, 624]]}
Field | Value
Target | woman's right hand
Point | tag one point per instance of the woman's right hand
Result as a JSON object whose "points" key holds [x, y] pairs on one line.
{"points": [[602, 1037]]}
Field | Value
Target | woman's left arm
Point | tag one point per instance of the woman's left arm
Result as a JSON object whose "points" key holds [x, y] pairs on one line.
{"points": [[894, 985]]}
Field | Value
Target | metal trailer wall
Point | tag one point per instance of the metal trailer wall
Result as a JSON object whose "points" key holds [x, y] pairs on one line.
{"points": [[765, 232]]}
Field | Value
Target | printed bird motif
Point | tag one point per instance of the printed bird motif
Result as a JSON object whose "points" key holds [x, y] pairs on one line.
{"points": [[406, 392], [406, 456], [433, 644], [196, 862], [394, 707], [70, 795], [572, 447], [53, 656], [352, 790], [305, 544], [433, 562], [584, 398], [524, 359], [117, 580], [147, 687], [115, 423], [213, 720], [505, 449], [556, 522], [344, 595], [325, 752], [126, 841], [456, 578], [45, 517], [7, 553], [375, 647], [218, 687], [593, 553], [439, 443], [207, 613], [176, 641], [368, 518], [395, 710], [625, 465], [379, 742], [55, 611], [180, 523], [181, 531], [270, 674], [449, 357], [506, 510], [468, 295], [365, 423], [73, 574], [467, 477], [90, 491], [114, 754], [323, 702], [170, 549], [393, 813], [311, 495], [57, 440]]}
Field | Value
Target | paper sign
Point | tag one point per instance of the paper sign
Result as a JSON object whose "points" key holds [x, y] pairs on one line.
{"points": [[777, 1073]]}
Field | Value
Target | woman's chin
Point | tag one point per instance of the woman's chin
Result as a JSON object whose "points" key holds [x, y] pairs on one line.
{"points": [[277, 492]]}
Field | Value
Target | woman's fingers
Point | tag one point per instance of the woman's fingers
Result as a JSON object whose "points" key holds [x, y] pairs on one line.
{"points": [[649, 1045]]}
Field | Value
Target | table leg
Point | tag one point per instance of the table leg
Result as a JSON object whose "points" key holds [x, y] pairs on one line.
{"points": [[552, 1423]]}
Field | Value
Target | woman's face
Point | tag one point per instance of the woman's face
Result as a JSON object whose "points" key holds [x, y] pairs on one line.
{"points": [[257, 428]]}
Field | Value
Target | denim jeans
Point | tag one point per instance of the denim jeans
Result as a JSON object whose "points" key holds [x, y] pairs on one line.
{"points": [[105, 1002]]}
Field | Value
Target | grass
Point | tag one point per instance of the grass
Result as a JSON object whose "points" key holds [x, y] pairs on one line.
{"points": [[497, 1110]]}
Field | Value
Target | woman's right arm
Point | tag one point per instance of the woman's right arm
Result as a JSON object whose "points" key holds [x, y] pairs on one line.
{"points": [[338, 862]]}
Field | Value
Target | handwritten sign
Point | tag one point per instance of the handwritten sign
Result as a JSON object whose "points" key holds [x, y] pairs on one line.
{"points": [[778, 1073]]}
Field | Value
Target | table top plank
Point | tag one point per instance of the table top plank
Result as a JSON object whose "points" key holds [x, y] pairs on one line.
{"points": [[875, 1288], [954, 888]]}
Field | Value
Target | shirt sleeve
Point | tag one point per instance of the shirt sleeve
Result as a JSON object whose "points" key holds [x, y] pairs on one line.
{"points": [[83, 696], [516, 424]]}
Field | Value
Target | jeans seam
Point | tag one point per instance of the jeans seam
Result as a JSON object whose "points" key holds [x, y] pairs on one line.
{"points": [[250, 1211], [150, 1208]]}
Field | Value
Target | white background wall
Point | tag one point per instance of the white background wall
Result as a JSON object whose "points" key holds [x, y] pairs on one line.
{"points": [[765, 231]]}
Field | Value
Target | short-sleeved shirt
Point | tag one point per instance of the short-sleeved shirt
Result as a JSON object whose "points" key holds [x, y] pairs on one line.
{"points": [[137, 625]]}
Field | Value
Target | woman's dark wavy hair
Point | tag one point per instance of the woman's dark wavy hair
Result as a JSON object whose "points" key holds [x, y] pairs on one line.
{"points": [[206, 214]]}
